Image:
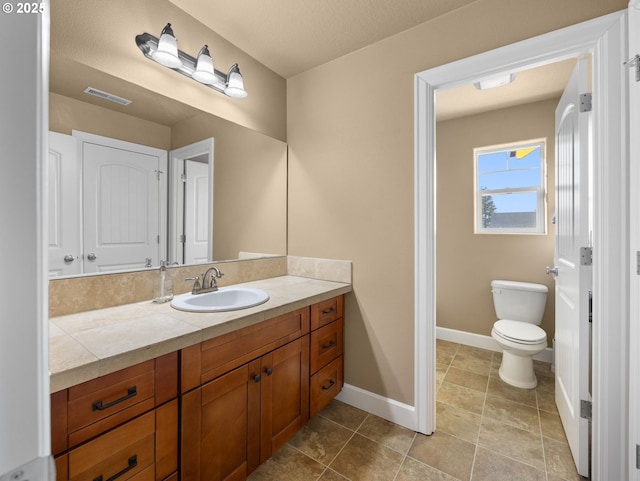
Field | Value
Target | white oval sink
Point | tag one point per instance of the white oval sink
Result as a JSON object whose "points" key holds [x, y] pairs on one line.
{"points": [[224, 299]]}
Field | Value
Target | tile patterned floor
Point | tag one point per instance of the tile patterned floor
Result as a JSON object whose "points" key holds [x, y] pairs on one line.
{"points": [[486, 431]]}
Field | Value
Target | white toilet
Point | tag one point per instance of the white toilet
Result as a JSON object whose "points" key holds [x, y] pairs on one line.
{"points": [[519, 307]]}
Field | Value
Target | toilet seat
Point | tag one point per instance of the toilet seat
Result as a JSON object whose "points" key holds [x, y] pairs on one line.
{"points": [[519, 332]]}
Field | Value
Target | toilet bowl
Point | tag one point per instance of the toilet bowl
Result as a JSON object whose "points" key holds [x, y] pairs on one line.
{"points": [[519, 307]]}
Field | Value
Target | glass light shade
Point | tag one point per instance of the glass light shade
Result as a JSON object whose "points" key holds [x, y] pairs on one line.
{"points": [[167, 51], [204, 68], [235, 84]]}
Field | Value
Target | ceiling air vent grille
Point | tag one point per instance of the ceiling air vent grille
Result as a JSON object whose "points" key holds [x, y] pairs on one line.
{"points": [[106, 96]]}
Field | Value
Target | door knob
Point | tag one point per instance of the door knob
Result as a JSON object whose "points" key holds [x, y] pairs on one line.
{"points": [[91, 257], [552, 271], [69, 258]]}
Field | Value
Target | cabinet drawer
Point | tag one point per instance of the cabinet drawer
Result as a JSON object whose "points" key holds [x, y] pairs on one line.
{"points": [[325, 385], [123, 453], [91, 408], [210, 359], [326, 345], [327, 311], [143, 449]]}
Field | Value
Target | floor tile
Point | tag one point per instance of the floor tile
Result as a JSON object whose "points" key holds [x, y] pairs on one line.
{"points": [[413, 470], [515, 443], [461, 397], [546, 382], [387, 433], [446, 346], [444, 357], [365, 460], [348, 416], [468, 362], [547, 401], [497, 387], [512, 413], [490, 466], [475, 352], [458, 422], [288, 464], [471, 380], [445, 453], [330, 475], [441, 372], [552, 426], [321, 439], [559, 460]]}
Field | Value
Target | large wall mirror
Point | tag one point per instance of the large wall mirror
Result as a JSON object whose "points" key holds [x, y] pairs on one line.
{"points": [[244, 193]]}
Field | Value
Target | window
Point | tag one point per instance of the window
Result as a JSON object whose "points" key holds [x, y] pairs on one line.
{"points": [[510, 189]]}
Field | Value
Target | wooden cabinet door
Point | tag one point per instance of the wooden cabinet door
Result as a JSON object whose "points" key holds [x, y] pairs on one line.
{"points": [[220, 423], [284, 395]]}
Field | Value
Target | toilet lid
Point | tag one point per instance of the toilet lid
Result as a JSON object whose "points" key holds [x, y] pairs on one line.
{"points": [[520, 332]]}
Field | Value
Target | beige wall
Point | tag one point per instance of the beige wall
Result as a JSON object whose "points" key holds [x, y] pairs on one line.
{"points": [[467, 262], [101, 35], [351, 142]]}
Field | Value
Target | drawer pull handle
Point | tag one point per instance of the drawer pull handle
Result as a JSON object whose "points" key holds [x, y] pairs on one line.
{"points": [[328, 310], [133, 462], [328, 386], [99, 406], [331, 343]]}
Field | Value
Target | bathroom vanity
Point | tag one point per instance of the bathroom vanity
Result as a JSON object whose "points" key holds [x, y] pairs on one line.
{"points": [[208, 410]]}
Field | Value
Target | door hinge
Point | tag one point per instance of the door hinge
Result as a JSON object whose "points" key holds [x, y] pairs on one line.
{"points": [[634, 62], [585, 102], [637, 456], [183, 177], [158, 238], [183, 238], [638, 262], [585, 409], [586, 256]]}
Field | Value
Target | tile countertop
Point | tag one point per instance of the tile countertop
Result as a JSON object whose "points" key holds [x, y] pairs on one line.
{"points": [[90, 344]]}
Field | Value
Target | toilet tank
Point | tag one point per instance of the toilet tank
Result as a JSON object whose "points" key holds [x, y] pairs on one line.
{"points": [[519, 301]]}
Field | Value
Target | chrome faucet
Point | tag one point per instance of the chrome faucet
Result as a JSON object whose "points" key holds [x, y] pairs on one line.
{"points": [[213, 273]]}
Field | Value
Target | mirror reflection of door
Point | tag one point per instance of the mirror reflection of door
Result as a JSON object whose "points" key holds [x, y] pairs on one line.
{"points": [[107, 204], [64, 203], [121, 192], [196, 211], [191, 203]]}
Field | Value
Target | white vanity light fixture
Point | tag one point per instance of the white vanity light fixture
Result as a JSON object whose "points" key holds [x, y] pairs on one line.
{"points": [[205, 73], [493, 82], [167, 51], [200, 69]]}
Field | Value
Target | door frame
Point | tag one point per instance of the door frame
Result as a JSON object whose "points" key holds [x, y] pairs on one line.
{"points": [[634, 245], [605, 39]]}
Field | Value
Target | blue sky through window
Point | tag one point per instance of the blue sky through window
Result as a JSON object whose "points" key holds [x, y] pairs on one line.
{"points": [[511, 169]]}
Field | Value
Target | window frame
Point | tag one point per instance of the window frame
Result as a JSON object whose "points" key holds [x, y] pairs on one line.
{"points": [[540, 190]]}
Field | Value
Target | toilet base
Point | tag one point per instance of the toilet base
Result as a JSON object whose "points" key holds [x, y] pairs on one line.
{"points": [[517, 370]]}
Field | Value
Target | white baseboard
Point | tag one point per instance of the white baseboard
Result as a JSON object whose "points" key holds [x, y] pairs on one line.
{"points": [[484, 342], [386, 408]]}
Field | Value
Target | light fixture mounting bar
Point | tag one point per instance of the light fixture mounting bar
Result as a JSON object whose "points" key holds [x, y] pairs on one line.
{"points": [[148, 44]]}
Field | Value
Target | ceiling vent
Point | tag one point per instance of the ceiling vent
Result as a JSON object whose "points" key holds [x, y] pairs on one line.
{"points": [[106, 96]]}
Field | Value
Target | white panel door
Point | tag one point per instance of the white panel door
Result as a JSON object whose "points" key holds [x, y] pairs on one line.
{"points": [[121, 208], [573, 280], [64, 206], [196, 213]]}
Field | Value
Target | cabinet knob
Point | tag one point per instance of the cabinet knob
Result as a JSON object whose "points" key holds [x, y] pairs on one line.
{"points": [[268, 371], [256, 378]]}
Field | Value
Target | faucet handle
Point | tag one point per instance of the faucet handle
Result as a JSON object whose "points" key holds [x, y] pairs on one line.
{"points": [[196, 284]]}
